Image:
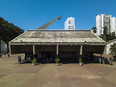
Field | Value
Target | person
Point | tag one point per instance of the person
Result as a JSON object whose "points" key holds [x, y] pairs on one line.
{"points": [[111, 60], [103, 60], [19, 59], [8, 54], [100, 60]]}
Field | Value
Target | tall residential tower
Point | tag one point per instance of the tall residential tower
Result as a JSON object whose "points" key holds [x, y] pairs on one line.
{"points": [[70, 24], [105, 20]]}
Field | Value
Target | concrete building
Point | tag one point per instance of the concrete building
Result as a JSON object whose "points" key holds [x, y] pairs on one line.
{"points": [[70, 24], [64, 43], [105, 20], [108, 46], [113, 25], [101, 21], [3, 47]]}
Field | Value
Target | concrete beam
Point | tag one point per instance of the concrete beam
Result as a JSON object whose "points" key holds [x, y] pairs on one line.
{"points": [[9, 49], [104, 50], [33, 49], [81, 49], [57, 50]]}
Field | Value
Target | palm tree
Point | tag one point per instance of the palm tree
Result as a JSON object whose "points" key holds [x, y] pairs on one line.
{"points": [[94, 29]]}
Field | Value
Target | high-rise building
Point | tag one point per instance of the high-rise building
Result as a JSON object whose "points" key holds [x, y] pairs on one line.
{"points": [[113, 25], [70, 24], [105, 20]]}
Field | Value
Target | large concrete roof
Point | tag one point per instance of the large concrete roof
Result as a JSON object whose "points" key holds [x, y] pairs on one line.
{"points": [[57, 36]]}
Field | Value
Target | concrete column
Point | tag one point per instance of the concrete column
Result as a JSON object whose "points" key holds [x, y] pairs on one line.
{"points": [[81, 49], [33, 49], [9, 49], [57, 50], [104, 50]]}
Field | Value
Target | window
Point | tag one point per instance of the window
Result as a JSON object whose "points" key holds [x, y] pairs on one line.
{"points": [[69, 22], [106, 17]]}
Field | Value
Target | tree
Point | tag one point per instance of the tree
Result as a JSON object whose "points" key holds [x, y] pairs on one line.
{"points": [[105, 30], [94, 29], [113, 49], [8, 31]]}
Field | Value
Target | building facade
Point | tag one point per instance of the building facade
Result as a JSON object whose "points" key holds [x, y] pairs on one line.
{"points": [[63, 43], [101, 21], [70, 24], [3, 47], [113, 25], [108, 46], [105, 20]]}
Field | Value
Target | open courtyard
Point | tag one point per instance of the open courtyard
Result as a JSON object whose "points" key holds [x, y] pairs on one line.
{"points": [[13, 74]]}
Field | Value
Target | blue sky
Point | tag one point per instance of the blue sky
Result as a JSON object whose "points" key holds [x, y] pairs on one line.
{"points": [[31, 14]]}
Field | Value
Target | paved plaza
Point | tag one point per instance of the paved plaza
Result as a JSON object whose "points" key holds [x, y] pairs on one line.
{"points": [[13, 74]]}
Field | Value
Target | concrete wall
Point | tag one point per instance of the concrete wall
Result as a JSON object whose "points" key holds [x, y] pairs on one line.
{"points": [[108, 47]]}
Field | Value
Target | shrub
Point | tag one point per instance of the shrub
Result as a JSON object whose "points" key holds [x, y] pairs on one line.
{"points": [[34, 60], [80, 60], [57, 60]]}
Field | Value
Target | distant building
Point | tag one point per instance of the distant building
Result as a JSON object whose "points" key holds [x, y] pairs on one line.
{"points": [[105, 20], [3, 47], [108, 46], [113, 25], [70, 24]]}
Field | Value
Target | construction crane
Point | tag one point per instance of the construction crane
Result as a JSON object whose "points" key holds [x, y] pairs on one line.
{"points": [[43, 27]]}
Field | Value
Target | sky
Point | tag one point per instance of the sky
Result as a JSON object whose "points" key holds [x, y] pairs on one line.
{"points": [[31, 14]]}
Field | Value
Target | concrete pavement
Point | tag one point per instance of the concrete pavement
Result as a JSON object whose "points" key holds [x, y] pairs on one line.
{"points": [[13, 74]]}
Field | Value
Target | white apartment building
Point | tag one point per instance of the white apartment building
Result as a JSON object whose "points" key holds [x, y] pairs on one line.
{"points": [[113, 25], [70, 24], [105, 20]]}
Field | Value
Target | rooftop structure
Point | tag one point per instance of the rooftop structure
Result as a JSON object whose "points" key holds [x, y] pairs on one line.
{"points": [[59, 36]]}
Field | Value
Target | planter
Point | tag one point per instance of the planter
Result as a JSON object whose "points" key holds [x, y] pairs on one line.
{"points": [[33, 64], [56, 64], [80, 63]]}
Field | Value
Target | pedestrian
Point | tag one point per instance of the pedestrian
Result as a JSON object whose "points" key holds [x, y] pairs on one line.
{"points": [[8, 55], [100, 60], [111, 60], [19, 59], [103, 60]]}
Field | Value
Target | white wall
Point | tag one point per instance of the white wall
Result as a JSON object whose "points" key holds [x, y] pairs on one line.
{"points": [[108, 47], [70, 23], [3, 47]]}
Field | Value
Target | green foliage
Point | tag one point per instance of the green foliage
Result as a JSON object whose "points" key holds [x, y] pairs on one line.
{"points": [[80, 60], [57, 60], [109, 37], [8, 31], [94, 29], [113, 49], [105, 31], [34, 60]]}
